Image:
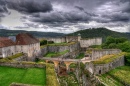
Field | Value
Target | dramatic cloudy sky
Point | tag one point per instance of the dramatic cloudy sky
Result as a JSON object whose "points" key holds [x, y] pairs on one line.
{"points": [[64, 15]]}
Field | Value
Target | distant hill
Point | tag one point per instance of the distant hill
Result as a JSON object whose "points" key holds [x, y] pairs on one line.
{"points": [[88, 33], [6, 33], [100, 32]]}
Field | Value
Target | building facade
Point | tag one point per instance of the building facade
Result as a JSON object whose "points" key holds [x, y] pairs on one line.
{"points": [[24, 43]]}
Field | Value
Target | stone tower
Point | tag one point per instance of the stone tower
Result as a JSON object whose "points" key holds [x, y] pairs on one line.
{"points": [[79, 37]]}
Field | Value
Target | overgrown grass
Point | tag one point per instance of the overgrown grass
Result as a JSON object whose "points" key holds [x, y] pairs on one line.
{"points": [[96, 46], [108, 58], [15, 56], [70, 79], [51, 75], [42, 46], [34, 76], [80, 56], [53, 54], [109, 81], [120, 75]]}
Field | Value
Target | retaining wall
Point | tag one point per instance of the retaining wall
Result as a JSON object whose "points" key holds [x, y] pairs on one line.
{"points": [[90, 42], [103, 68], [53, 48], [22, 64], [100, 53]]}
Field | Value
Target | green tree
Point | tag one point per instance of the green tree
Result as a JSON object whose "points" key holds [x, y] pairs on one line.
{"points": [[110, 40], [124, 46], [43, 42], [112, 45]]}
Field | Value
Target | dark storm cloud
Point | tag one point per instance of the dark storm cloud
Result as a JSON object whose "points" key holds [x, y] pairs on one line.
{"points": [[3, 9], [29, 6], [61, 17], [80, 8], [65, 13]]}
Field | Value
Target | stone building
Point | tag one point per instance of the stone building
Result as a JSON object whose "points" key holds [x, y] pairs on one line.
{"points": [[26, 43], [23, 43], [7, 47]]}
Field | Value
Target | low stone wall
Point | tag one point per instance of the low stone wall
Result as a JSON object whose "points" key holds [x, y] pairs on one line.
{"points": [[100, 53], [103, 68], [22, 64], [21, 58]]}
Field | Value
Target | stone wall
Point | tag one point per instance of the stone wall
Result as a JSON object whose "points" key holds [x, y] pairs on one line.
{"points": [[32, 50], [103, 68], [8, 51], [63, 39], [90, 42], [44, 50], [22, 64], [56, 40], [21, 58], [71, 48], [99, 53]]}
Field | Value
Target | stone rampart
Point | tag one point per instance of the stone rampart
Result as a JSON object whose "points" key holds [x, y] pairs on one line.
{"points": [[103, 68], [22, 64], [53, 48], [100, 53], [89, 42]]}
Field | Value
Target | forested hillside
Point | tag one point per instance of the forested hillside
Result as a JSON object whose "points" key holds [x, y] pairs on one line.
{"points": [[100, 32], [35, 33]]}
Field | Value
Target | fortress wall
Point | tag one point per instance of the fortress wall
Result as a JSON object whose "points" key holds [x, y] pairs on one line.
{"points": [[71, 48], [71, 38], [90, 42], [44, 50], [103, 68], [22, 64], [56, 40], [99, 53]]}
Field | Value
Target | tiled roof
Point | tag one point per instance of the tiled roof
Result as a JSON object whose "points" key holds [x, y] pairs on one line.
{"points": [[5, 42], [25, 39]]}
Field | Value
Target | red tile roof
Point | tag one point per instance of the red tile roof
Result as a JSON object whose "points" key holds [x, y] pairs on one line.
{"points": [[5, 42], [25, 39]]}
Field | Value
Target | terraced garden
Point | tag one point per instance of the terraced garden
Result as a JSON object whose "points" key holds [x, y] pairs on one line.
{"points": [[34, 76]]}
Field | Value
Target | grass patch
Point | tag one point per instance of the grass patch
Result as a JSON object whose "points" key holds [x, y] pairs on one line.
{"points": [[34, 76], [51, 79], [15, 56], [120, 75], [80, 56], [96, 46], [107, 58], [53, 54]]}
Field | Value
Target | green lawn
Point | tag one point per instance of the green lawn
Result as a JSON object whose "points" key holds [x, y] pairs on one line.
{"points": [[117, 77], [80, 56], [53, 54], [34, 76]]}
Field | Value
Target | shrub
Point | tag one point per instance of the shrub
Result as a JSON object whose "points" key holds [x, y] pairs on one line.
{"points": [[43, 42]]}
